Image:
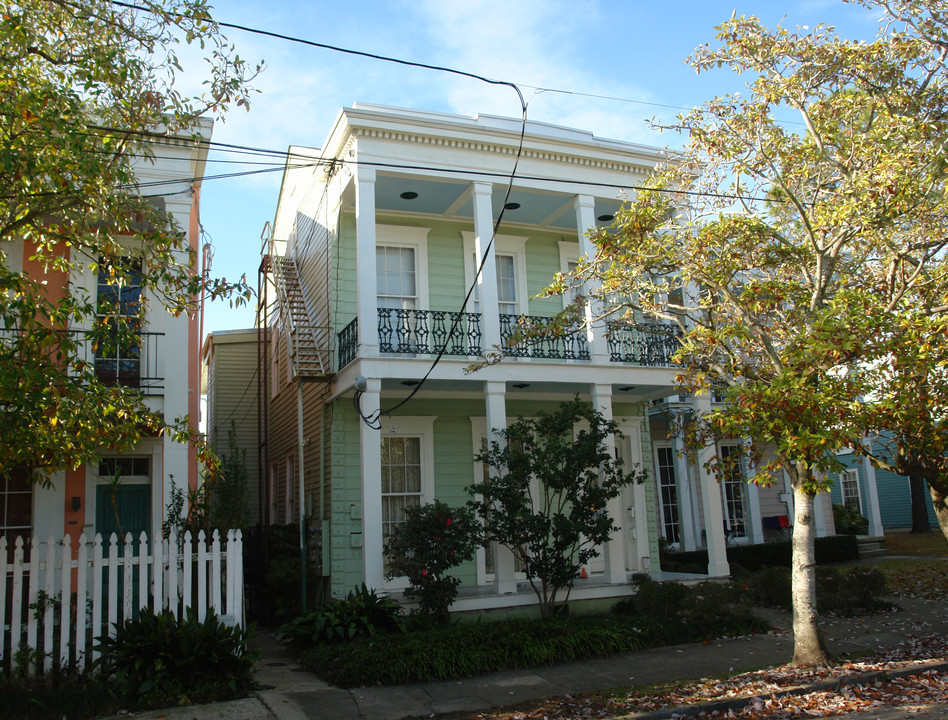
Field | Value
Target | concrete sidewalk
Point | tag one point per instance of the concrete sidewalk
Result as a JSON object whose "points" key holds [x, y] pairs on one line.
{"points": [[291, 693]]}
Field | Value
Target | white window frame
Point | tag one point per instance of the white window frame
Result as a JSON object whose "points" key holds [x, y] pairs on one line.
{"points": [[569, 255], [421, 427], [513, 245], [416, 238], [851, 475], [745, 499], [660, 503]]}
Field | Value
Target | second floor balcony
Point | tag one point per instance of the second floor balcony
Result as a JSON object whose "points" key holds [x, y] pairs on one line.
{"points": [[410, 333]]}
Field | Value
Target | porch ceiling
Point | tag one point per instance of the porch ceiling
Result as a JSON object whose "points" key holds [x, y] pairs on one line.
{"points": [[452, 199], [525, 389]]}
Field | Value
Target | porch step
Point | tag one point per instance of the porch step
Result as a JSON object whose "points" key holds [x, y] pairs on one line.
{"points": [[871, 546]]}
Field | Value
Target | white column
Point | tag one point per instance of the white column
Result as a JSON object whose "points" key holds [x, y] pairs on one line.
{"points": [[873, 510], [819, 516], [713, 509], [495, 394], [487, 280], [614, 550], [371, 467], [686, 513], [366, 279], [585, 206]]}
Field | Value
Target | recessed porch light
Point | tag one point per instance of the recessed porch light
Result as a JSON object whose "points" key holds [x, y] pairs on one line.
{"points": [[606, 218], [521, 386], [409, 383], [512, 206], [408, 195], [627, 388]]}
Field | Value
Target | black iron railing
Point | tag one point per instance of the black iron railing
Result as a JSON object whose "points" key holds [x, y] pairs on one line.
{"points": [[126, 359], [538, 337], [648, 344], [419, 332], [348, 341]]}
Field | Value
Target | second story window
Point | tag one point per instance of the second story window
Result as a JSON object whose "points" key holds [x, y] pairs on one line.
{"points": [[396, 277], [506, 285], [119, 307]]}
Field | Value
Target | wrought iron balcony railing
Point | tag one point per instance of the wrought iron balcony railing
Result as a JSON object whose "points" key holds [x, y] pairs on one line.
{"points": [[537, 337], [648, 344], [347, 343], [418, 332], [130, 361]]}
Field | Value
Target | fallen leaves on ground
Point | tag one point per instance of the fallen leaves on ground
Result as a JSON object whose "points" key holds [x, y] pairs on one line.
{"points": [[924, 687], [920, 579]]}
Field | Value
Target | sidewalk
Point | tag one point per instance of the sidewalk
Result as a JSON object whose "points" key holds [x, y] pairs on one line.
{"points": [[291, 693]]}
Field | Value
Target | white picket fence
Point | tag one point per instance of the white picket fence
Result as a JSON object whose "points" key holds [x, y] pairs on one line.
{"points": [[58, 602]]}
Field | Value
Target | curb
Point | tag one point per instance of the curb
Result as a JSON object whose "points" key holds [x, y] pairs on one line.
{"points": [[939, 666]]}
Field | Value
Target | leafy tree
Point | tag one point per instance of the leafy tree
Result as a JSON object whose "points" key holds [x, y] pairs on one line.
{"points": [[433, 539], [800, 221], [86, 86], [549, 483]]}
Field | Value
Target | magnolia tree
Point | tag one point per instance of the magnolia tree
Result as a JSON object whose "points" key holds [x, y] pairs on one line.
{"points": [[797, 225], [88, 85], [545, 499]]}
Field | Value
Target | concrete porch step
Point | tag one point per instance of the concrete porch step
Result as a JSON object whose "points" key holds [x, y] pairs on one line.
{"points": [[871, 547]]}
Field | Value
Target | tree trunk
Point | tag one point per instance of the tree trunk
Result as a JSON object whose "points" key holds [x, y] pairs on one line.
{"points": [[809, 647], [919, 504], [940, 503]]}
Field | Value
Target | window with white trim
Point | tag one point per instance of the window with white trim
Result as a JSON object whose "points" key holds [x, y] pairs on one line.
{"points": [[407, 469], [734, 492], [510, 261], [667, 493], [849, 485], [395, 277]]}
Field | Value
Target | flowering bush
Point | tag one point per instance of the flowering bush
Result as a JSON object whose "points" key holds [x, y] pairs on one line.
{"points": [[432, 539]]}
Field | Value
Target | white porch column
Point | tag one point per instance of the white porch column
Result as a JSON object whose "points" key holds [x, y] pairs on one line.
{"points": [[686, 512], [819, 516], [755, 531], [713, 510], [614, 550], [487, 279], [370, 445], [495, 394], [585, 206], [873, 510], [366, 279]]}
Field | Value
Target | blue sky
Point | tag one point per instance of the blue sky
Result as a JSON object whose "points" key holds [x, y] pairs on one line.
{"points": [[620, 48]]}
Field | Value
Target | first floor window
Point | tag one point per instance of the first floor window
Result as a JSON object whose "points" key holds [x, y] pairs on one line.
{"points": [[401, 480], [734, 488], [667, 493], [849, 480], [16, 506]]}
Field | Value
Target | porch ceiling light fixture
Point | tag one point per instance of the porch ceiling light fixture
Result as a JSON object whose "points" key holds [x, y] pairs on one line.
{"points": [[512, 206], [606, 218], [408, 195], [409, 383], [627, 388], [521, 386]]}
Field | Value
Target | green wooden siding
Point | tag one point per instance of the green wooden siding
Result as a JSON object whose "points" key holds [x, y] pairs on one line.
{"points": [[453, 473]]}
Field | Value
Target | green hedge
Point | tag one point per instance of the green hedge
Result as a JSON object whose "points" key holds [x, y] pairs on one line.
{"points": [[837, 548]]}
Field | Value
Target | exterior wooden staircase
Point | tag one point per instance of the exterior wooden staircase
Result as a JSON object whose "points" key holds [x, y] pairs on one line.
{"points": [[309, 345]]}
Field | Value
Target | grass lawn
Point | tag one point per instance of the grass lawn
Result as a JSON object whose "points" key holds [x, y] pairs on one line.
{"points": [[921, 579], [904, 543]]}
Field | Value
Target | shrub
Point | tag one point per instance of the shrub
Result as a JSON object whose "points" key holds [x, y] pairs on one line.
{"points": [[432, 539], [464, 649], [675, 613], [363, 613], [158, 658], [852, 592], [848, 521], [838, 548]]}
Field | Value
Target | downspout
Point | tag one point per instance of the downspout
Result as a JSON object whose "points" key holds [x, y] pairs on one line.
{"points": [[300, 503]]}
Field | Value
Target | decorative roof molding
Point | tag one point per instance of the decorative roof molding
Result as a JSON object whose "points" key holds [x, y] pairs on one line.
{"points": [[500, 149]]}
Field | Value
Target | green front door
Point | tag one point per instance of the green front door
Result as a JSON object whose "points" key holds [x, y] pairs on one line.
{"points": [[129, 513]]}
